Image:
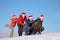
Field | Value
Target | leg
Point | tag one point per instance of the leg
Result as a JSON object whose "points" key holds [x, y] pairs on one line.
{"points": [[24, 31], [20, 30], [28, 31], [7, 25], [11, 32], [34, 30]]}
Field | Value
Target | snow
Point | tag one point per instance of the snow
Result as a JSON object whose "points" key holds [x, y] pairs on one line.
{"points": [[50, 36]]}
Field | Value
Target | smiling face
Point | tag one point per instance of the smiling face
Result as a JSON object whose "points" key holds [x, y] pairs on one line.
{"points": [[30, 18], [14, 16], [42, 17], [23, 15]]}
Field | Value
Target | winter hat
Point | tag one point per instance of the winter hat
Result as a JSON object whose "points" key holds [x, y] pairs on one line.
{"points": [[14, 15], [29, 16], [41, 16], [23, 13]]}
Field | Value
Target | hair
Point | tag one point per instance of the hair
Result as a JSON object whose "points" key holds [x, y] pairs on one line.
{"points": [[24, 17]]}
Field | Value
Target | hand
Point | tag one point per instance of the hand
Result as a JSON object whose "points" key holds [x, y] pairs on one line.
{"points": [[37, 33]]}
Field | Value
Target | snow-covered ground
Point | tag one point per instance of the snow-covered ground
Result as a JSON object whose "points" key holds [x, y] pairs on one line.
{"points": [[51, 36]]}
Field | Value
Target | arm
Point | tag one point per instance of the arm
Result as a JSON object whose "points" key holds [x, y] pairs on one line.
{"points": [[20, 22], [14, 20], [29, 22], [25, 26], [35, 20]]}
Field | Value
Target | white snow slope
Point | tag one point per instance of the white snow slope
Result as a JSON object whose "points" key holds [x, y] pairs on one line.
{"points": [[51, 36]]}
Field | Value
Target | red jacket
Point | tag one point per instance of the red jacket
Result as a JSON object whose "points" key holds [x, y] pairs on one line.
{"points": [[21, 21], [13, 22]]}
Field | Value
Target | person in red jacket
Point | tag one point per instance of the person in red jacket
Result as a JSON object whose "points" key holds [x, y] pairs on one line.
{"points": [[12, 24], [20, 23]]}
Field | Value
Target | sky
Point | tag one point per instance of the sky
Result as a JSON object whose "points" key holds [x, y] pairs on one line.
{"points": [[50, 9]]}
